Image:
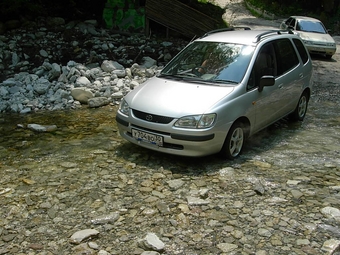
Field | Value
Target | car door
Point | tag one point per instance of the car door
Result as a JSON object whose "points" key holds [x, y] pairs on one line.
{"points": [[289, 76], [267, 104], [280, 60]]}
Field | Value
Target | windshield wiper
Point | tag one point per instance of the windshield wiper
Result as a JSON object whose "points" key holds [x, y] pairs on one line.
{"points": [[224, 81], [170, 76], [195, 80]]}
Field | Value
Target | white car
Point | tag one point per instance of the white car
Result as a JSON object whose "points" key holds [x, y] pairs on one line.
{"points": [[219, 90], [313, 33]]}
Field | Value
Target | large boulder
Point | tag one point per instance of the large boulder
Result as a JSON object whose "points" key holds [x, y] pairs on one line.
{"points": [[82, 95]]}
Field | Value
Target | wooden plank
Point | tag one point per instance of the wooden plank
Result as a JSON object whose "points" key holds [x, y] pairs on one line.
{"points": [[179, 17]]}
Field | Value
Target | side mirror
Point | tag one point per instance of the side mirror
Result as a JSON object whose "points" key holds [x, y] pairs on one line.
{"points": [[266, 81]]}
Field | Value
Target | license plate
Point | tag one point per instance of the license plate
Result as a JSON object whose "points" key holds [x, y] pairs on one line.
{"points": [[147, 137]]}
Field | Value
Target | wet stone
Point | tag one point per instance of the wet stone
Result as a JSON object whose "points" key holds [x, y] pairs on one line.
{"points": [[8, 237]]}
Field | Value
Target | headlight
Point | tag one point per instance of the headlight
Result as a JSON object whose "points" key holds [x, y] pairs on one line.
{"points": [[124, 107], [308, 42], [196, 121]]}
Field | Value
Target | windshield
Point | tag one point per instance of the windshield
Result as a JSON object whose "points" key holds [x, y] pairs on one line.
{"points": [[311, 26], [210, 62]]}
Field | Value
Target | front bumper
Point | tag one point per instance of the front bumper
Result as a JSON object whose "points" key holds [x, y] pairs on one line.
{"points": [[321, 49], [192, 143]]}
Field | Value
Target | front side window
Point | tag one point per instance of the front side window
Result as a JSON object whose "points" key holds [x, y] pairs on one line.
{"points": [[292, 23], [213, 62], [265, 65], [288, 21]]}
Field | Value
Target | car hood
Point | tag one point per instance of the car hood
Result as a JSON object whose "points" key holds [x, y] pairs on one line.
{"points": [[325, 38], [175, 98]]}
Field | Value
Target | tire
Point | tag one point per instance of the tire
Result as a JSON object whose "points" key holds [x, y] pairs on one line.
{"points": [[301, 108], [234, 141]]}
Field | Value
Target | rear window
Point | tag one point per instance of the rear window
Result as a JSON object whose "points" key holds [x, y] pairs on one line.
{"points": [[286, 56], [302, 50]]}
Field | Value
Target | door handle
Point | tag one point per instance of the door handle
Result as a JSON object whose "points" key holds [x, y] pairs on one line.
{"points": [[280, 86]]}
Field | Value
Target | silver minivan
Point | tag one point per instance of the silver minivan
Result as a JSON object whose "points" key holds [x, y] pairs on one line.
{"points": [[219, 90]]}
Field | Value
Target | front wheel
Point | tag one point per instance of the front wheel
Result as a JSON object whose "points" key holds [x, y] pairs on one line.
{"points": [[233, 143], [301, 108]]}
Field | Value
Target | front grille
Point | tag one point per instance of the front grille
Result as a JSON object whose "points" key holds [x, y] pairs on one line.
{"points": [[152, 117]]}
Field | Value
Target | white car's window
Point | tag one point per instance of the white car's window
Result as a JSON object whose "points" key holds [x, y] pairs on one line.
{"points": [[213, 62], [288, 21], [311, 26], [292, 23]]}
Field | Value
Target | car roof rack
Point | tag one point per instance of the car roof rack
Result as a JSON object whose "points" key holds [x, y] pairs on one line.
{"points": [[270, 32], [225, 30]]}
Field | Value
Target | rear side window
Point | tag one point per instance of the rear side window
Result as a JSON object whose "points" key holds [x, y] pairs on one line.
{"points": [[285, 56], [302, 50]]}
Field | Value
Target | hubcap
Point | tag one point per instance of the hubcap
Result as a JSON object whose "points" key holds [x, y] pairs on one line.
{"points": [[302, 106], [236, 142]]}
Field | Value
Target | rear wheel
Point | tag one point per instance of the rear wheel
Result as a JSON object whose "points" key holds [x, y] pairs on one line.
{"points": [[301, 108], [233, 143]]}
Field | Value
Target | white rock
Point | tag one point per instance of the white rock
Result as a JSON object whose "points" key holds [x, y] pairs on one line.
{"points": [[81, 235], [331, 212], [82, 82], [104, 219], [41, 128], [176, 184], [151, 241], [109, 66], [197, 201], [330, 245], [227, 247]]}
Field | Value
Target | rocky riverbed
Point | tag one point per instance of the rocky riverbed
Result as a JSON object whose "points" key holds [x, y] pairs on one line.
{"points": [[70, 185], [81, 189], [53, 65]]}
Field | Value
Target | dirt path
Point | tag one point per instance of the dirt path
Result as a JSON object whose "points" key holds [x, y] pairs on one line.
{"points": [[236, 14]]}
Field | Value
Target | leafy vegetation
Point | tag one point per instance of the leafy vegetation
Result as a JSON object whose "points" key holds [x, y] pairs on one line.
{"points": [[68, 9], [326, 10]]}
